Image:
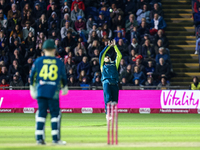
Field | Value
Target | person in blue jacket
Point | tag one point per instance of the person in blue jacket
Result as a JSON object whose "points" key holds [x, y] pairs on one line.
{"points": [[47, 77], [110, 76]]}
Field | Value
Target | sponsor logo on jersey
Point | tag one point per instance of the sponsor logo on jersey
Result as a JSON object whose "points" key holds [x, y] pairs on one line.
{"points": [[28, 110], [87, 110], [144, 110]]}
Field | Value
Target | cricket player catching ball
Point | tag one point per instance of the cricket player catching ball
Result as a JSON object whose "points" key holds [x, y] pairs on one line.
{"points": [[109, 71], [47, 77]]}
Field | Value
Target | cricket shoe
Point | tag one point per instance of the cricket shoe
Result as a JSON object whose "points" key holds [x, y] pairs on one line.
{"points": [[59, 142], [196, 53], [41, 142], [110, 118]]}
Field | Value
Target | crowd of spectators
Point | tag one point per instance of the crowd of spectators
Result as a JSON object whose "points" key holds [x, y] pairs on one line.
{"points": [[81, 29]]}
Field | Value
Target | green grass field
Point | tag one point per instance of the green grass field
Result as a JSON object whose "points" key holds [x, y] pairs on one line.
{"points": [[88, 131]]}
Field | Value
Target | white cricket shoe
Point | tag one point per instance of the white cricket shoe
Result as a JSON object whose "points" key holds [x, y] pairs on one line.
{"points": [[110, 118], [196, 52], [59, 142]]}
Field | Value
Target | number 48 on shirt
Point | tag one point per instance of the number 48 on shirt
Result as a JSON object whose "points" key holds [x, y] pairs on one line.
{"points": [[49, 72]]}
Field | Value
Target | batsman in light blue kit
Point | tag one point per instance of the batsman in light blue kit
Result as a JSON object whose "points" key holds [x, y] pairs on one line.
{"points": [[110, 76], [48, 77]]}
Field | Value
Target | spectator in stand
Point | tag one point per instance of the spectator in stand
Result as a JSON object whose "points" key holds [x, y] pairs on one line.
{"points": [[53, 31], [95, 45], [94, 28], [53, 19], [123, 49], [127, 74], [84, 83], [27, 29], [107, 30], [13, 38], [196, 6], [79, 24], [158, 45], [160, 35], [40, 39], [66, 10], [65, 29], [84, 65], [42, 4], [38, 11], [138, 63], [69, 65], [89, 23], [162, 54], [79, 46], [29, 18], [149, 69], [97, 81], [66, 19], [69, 41], [148, 52], [124, 82], [71, 81], [134, 56], [94, 66], [3, 20], [119, 36], [29, 41], [28, 66], [150, 82], [16, 82], [143, 13], [12, 22], [76, 12], [4, 74], [53, 9], [156, 24], [79, 56], [93, 37], [134, 46], [102, 20], [139, 75], [80, 4], [163, 69], [4, 85], [130, 8], [18, 31], [14, 10], [14, 68], [122, 66], [42, 25], [131, 23], [156, 9], [118, 21], [143, 29], [116, 11], [163, 85], [134, 34], [26, 9], [195, 85], [140, 3]]}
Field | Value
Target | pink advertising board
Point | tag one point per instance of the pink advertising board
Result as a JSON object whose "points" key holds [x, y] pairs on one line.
{"points": [[130, 101]]}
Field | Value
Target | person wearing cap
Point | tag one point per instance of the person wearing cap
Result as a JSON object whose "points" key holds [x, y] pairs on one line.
{"points": [[52, 9], [76, 12], [47, 78], [109, 72], [102, 20], [79, 24], [38, 11]]}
